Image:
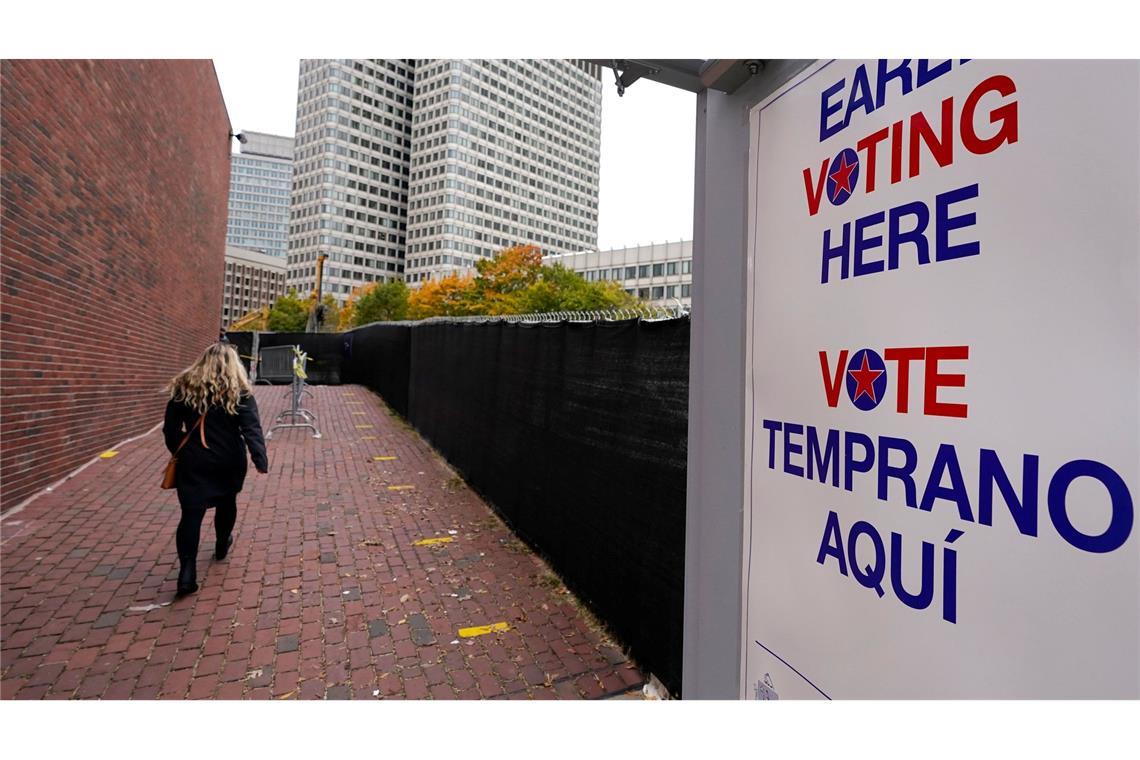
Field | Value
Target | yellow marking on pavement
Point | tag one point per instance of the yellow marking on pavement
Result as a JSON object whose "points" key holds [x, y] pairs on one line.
{"points": [[353, 402], [368, 438], [432, 541], [108, 454], [400, 488], [382, 459], [482, 630], [360, 414], [364, 427]]}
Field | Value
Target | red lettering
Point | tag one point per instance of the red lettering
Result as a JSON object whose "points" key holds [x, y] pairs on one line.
{"points": [[814, 196], [935, 380], [903, 357], [832, 380], [942, 149], [869, 144], [1005, 115], [896, 152]]}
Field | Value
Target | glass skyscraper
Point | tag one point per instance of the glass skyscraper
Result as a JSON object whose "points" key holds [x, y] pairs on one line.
{"points": [[261, 178]]}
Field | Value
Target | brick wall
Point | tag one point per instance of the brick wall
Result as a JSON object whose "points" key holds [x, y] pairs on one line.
{"points": [[114, 185]]}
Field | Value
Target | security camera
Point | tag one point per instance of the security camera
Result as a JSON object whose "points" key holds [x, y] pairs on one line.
{"points": [[240, 136]]}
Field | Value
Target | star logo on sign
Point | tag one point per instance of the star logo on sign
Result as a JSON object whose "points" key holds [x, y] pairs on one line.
{"points": [[865, 378], [842, 176]]}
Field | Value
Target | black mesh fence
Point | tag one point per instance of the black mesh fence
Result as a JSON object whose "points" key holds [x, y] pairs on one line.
{"points": [[379, 357], [325, 353], [243, 342], [576, 433]]}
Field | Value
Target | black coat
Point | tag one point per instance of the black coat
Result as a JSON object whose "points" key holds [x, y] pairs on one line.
{"points": [[204, 475]]}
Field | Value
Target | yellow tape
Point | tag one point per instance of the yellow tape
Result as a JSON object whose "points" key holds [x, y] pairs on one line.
{"points": [[432, 541], [399, 488], [108, 454], [481, 630], [382, 459]]}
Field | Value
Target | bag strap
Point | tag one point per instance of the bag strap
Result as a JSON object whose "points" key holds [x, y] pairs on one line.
{"points": [[201, 421]]}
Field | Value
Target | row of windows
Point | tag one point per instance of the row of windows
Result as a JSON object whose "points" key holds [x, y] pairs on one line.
{"points": [[638, 271], [280, 172], [661, 291], [568, 195], [558, 219]]}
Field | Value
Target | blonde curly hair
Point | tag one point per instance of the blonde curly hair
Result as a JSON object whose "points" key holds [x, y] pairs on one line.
{"points": [[216, 379]]}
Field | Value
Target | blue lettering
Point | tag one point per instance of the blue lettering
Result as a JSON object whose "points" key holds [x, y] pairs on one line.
{"points": [[864, 244], [832, 544], [840, 252], [900, 72], [861, 96], [925, 595], [827, 108], [1120, 523], [926, 74], [1023, 510], [829, 458], [850, 463], [946, 460], [790, 448], [901, 473], [771, 426], [944, 224], [917, 236]]}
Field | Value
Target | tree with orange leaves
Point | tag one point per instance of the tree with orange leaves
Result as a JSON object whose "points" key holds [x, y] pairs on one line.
{"points": [[450, 297]]}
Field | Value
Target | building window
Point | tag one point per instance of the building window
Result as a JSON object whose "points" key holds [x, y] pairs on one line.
{"points": [[658, 270], [671, 267], [658, 293], [685, 291]]}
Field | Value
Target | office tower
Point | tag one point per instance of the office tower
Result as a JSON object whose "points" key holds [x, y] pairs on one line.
{"points": [[261, 178], [350, 173], [504, 152], [442, 162]]}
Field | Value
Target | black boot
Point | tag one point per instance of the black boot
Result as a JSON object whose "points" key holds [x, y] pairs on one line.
{"points": [[222, 549], [187, 579]]}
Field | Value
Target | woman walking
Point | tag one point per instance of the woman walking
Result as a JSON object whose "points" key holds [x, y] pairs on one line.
{"points": [[211, 420]]}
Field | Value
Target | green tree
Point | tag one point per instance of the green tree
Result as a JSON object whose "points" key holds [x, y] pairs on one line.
{"points": [[387, 302], [288, 314]]}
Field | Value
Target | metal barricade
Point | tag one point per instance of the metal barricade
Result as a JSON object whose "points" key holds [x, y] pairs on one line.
{"points": [[296, 390], [275, 364]]}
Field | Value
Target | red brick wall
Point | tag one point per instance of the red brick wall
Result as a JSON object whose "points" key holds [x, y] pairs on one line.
{"points": [[114, 188]]}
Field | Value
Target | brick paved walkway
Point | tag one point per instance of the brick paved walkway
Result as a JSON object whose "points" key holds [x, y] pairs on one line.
{"points": [[324, 595]]}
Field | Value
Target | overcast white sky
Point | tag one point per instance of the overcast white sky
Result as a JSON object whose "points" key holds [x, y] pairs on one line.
{"points": [[646, 193]]}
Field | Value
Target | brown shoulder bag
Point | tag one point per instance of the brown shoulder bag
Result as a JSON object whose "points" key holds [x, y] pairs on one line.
{"points": [[168, 475]]}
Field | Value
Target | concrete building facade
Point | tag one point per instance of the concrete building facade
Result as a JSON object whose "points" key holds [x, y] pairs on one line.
{"points": [[659, 273], [350, 173], [415, 169], [261, 179], [504, 153], [253, 280]]}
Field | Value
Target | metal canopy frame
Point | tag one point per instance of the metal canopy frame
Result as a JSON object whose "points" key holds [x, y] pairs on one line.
{"points": [[693, 74]]}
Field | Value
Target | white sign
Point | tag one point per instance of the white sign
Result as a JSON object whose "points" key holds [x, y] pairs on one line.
{"points": [[944, 383]]}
